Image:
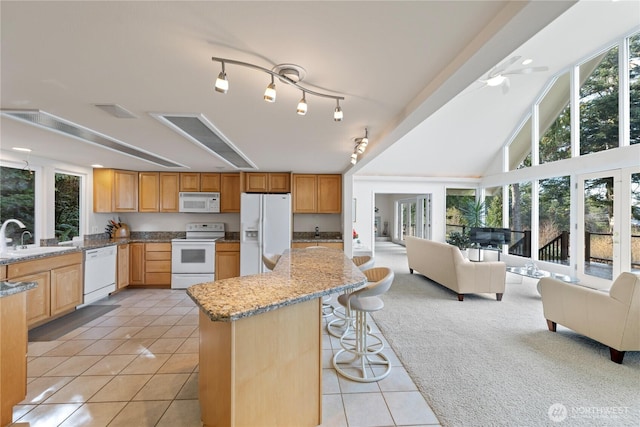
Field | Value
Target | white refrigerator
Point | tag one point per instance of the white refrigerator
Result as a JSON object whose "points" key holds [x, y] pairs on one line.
{"points": [[265, 227]]}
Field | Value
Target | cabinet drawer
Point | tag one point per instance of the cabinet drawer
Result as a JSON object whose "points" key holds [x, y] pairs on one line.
{"points": [[157, 278], [157, 266], [158, 247], [227, 247], [157, 256], [45, 264]]}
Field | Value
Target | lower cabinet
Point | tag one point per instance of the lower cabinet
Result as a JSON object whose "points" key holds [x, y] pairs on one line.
{"points": [[227, 260], [122, 276], [13, 354], [59, 290], [150, 264]]}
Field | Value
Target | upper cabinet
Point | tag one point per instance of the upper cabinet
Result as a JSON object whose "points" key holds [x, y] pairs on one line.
{"points": [[200, 181], [158, 191], [115, 190], [317, 193], [230, 192], [267, 182]]}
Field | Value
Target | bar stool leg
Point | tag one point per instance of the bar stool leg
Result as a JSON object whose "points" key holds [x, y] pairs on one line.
{"points": [[363, 354]]}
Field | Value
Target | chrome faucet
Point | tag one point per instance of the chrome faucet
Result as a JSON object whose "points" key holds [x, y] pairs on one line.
{"points": [[3, 236], [22, 245], [317, 231]]}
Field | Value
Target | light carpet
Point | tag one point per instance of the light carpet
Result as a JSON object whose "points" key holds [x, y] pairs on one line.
{"points": [[486, 363]]}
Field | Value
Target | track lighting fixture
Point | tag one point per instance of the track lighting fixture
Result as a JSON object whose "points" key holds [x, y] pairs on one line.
{"points": [[270, 92], [361, 146], [337, 113], [302, 105], [290, 74], [222, 84]]}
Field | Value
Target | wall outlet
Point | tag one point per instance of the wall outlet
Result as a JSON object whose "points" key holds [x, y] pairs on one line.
{"points": [[94, 229]]}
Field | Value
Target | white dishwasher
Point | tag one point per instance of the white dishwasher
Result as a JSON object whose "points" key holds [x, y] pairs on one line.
{"points": [[99, 273]]}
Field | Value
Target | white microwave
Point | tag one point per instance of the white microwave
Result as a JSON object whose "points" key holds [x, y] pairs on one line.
{"points": [[200, 202]]}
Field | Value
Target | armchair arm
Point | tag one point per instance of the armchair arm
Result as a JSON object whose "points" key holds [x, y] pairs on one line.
{"points": [[481, 276]]}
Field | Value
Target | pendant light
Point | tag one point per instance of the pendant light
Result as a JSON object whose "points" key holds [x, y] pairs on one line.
{"points": [[302, 105], [337, 113], [270, 92], [222, 84]]}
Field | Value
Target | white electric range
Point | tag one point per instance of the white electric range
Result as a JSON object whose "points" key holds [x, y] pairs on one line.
{"points": [[193, 258]]}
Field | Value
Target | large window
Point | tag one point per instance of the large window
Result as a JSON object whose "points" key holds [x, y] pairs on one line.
{"points": [[17, 201], [67, 206], [553, 220], [520, 218], [555, 122], [599, 103]]}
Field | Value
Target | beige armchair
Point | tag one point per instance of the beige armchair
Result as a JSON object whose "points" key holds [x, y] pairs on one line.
{"points": [[611, 318]]}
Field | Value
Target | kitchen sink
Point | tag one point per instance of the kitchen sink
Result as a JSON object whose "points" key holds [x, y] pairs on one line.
{"points": [[39, 250]]}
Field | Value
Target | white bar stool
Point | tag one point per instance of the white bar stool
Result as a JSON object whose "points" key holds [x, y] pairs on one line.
{"points": [[338, 327], [364, 354]]}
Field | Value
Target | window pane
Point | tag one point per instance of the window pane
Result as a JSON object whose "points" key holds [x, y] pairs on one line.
{"points": [[17, 201], [67, 206], [493, 206], [555, 122], [553, 217], [457, 201], [520, 148], [634, 87], [520, 218], [599, 103], [598, 223]]}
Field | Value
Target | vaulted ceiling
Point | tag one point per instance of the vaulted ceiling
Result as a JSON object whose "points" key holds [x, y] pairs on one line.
{"points": [[408, 72]]}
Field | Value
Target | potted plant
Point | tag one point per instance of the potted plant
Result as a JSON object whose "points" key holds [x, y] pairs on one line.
{"points": [[461, 240]]}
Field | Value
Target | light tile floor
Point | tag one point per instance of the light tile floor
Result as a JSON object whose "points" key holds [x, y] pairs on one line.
{"points": [[137, 365]]}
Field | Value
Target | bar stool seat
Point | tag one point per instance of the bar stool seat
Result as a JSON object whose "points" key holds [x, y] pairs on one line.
{"points": [[337, 327], [270, 260], [364, 347]]}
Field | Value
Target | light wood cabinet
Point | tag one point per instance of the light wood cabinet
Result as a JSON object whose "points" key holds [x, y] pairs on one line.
{"points": [[230, 192], [13, 354], [169, 191], [158, 191], [122, 278], [148, 192], [59, 289], [115, 190], [157, 264], [227, 260], [305, 193], [317, 193], [330, 194], [189, 181], [136, 263], [301, 245], [66, 288], [267, 182], [210, 182]]}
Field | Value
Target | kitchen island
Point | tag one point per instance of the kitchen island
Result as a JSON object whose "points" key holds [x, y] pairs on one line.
{"points": [[260, 340]]}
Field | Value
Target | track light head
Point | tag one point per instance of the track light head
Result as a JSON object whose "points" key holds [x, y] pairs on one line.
{"points": [[338, 115], [354, 158], [302, 105], [270, 92], [222, 84]]}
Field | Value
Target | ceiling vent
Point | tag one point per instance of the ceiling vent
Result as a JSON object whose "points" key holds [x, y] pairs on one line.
{"points": [[197, 129], [116, 111], [50, 122]]}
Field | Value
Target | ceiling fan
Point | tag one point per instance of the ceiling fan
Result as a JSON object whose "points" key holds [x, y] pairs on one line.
{"points": [[498, 74]]}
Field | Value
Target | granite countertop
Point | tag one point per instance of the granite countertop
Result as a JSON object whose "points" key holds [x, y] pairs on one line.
{"points": [[10, 288], [300, 275]]}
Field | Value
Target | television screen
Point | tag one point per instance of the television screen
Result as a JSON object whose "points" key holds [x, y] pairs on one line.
{"points": [[486, 236]]}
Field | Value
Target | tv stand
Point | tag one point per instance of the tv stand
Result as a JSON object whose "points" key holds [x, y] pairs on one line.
{"points": [[488, 248]]}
